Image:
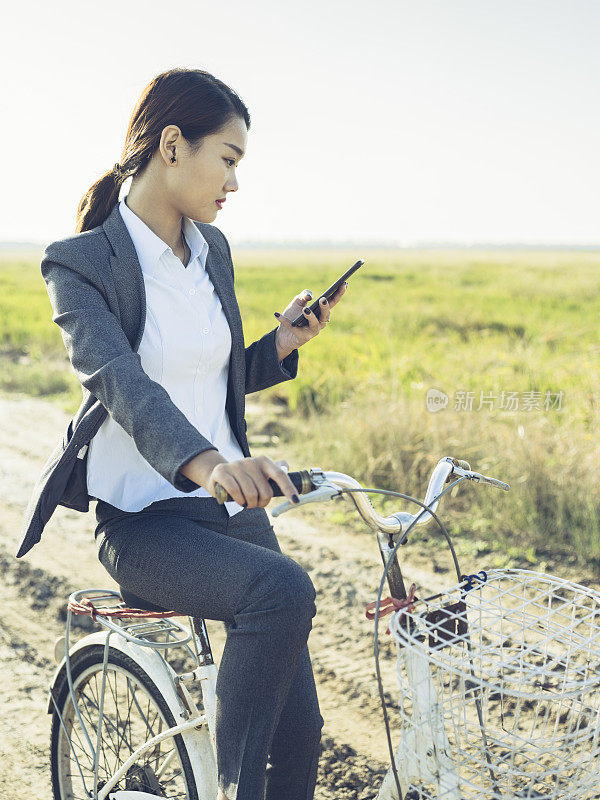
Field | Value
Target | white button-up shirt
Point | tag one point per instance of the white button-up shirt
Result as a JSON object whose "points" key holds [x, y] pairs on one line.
{"points": [[185, 347]]}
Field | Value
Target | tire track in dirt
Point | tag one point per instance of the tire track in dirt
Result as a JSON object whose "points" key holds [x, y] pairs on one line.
{"points": [[24, 767]]}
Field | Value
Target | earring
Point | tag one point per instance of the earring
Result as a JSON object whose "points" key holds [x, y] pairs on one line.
{"points": [[173, 157]]}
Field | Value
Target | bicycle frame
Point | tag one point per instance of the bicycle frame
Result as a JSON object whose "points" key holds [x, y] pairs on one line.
{"points": [[196, 729]]}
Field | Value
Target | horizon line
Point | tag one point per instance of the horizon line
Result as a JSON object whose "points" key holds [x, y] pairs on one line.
{"points": [[424, 244]]}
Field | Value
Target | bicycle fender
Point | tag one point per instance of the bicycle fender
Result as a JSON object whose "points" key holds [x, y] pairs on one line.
{"points": [[197, 740]]}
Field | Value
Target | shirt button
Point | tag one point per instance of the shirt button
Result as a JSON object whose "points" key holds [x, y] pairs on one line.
{"points": [[204, 330], [192, 291]]}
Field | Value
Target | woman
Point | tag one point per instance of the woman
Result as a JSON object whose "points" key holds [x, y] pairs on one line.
{"points": [[144, 299]]}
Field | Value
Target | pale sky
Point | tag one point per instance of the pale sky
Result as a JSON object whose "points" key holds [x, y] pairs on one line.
{"points": [[449, 121]]}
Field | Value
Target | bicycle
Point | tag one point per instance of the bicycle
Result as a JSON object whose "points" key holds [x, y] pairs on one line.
{"points": [[451, 664]]}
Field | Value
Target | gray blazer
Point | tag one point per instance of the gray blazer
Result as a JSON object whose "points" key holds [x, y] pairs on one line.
{"points": [[96, 288]]}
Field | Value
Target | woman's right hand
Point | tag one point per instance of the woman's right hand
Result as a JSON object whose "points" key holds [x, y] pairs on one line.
{"points": [[246, 480]]}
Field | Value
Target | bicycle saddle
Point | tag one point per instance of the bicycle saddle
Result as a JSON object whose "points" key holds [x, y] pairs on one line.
{"points": [[133, 601]]}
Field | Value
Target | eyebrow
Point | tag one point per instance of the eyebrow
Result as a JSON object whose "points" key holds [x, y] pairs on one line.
{"points": [[235, 147]]}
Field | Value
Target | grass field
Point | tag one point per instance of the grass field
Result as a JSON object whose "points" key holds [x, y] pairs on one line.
{"points": [[510, 338]]}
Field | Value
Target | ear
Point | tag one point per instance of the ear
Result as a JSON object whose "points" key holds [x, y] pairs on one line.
{"points": [[170, 143]]}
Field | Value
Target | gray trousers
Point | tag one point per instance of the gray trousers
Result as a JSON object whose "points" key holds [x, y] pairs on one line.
{"points": [[186, 554]]}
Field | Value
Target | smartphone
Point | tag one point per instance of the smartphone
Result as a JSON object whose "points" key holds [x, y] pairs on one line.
{"points": [[315, 306]]}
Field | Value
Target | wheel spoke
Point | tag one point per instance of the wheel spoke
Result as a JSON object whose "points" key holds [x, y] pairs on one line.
{"points": [[92, 702], [107, 725], [130, 717], [129, 706]]}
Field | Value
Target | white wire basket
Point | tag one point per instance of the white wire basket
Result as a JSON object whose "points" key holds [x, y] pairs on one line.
{"points": [[500, 690]]}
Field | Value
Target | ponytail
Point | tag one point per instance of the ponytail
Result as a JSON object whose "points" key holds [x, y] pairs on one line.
{"points": [[97, 203], [194, 100]]}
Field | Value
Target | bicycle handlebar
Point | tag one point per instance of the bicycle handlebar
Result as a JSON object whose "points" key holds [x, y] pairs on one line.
{"points": [[315, 485]]}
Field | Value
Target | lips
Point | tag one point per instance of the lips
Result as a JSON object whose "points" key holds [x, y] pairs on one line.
{"points": [[220, 202]]}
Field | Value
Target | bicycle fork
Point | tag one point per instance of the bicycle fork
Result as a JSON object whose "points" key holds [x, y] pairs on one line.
{"points": [[423, 755]]}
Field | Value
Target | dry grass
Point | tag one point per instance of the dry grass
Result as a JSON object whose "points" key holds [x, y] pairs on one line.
{"points": [[487, 322]]}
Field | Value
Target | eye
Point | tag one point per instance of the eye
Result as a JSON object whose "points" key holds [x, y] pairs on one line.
{"points": [[230, 162]]}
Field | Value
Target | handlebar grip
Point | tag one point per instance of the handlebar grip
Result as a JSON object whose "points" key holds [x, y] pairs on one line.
{"points": [[301, 480]]}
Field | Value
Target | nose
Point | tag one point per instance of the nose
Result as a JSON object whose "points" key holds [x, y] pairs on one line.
{"points": [[232, 184]]}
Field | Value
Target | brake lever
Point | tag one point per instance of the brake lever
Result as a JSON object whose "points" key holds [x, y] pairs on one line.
{"points": [[463, 469], [478, 478], [323, 491]]}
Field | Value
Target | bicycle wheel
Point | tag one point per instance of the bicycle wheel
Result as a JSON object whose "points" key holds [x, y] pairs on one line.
{"points": [[134, 711]]}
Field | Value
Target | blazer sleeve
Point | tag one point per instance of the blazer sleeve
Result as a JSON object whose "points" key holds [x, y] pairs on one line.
{"points": [[111, 370], [263, 368]]}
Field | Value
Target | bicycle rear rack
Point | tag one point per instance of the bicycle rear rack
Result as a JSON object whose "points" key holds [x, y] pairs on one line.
{"points": [[143, 633]]}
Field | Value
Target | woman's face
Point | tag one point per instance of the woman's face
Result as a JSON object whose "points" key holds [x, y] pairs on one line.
{"points": [[202, 179]]}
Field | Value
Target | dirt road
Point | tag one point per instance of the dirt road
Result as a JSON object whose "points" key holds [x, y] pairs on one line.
{"points": [[345, 568]]}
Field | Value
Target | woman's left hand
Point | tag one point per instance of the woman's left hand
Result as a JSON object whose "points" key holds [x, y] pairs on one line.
{"points": [[289, 338]]}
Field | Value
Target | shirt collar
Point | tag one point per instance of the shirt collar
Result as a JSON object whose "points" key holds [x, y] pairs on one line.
{"points": [[150, 247], [196, 241]]}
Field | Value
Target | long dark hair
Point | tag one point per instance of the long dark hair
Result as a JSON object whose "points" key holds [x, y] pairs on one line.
{"points": [[192, 99]]}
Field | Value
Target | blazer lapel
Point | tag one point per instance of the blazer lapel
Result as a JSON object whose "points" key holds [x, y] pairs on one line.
{"points": [[218, 272], [128, 278]]}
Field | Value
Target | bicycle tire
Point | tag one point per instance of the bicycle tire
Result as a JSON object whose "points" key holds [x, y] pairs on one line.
{"points": [[64, 771]]}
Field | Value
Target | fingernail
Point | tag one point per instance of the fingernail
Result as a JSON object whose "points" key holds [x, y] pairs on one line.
{"points": [[295, 498], [277, 315], [308, 293], [324, 300], [307, 311]]}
